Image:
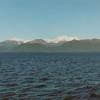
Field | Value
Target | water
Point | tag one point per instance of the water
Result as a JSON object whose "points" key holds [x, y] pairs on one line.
{"points": [[44, 76]]}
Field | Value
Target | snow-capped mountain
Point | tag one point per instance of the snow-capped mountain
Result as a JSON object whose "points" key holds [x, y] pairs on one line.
{"points": [[64, 38], [37, 41], [59, 44], [42, 41]]}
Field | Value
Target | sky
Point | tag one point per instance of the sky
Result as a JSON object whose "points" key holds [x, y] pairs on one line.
{"points": [[29, 19]]}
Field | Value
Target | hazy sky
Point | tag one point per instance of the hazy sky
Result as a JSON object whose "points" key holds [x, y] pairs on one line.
{"points": [[49, 18]]}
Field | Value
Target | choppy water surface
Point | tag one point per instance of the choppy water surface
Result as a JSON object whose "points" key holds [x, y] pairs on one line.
{"points": [[29, 76]]}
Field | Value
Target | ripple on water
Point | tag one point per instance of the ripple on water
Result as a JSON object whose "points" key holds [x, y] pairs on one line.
{"points": [[7, 95], [49, 76]]}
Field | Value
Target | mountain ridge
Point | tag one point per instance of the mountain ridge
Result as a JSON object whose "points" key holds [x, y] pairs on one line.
{"points": [[40, 45]]}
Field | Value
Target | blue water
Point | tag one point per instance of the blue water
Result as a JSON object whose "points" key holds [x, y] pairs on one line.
{"points": [[44, 76]]}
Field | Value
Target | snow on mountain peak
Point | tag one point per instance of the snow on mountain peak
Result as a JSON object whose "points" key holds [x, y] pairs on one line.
{"points": [[53, 40], [62, 38], [65, 38], [18, 40]]}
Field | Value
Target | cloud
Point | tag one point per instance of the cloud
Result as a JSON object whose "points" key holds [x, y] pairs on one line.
{"points": [[18, 39], [54, 40], [62, 38]]}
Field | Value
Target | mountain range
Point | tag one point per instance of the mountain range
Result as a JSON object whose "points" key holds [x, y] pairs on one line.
{"points": [[40, 45]]}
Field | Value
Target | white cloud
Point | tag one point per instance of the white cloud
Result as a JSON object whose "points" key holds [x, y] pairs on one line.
{"points": [[19, 39], [62, 38], [16, 39], [55, 40]]}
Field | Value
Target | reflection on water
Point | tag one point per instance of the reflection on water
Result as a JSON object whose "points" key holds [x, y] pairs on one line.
{"points": [[28, 76]]}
